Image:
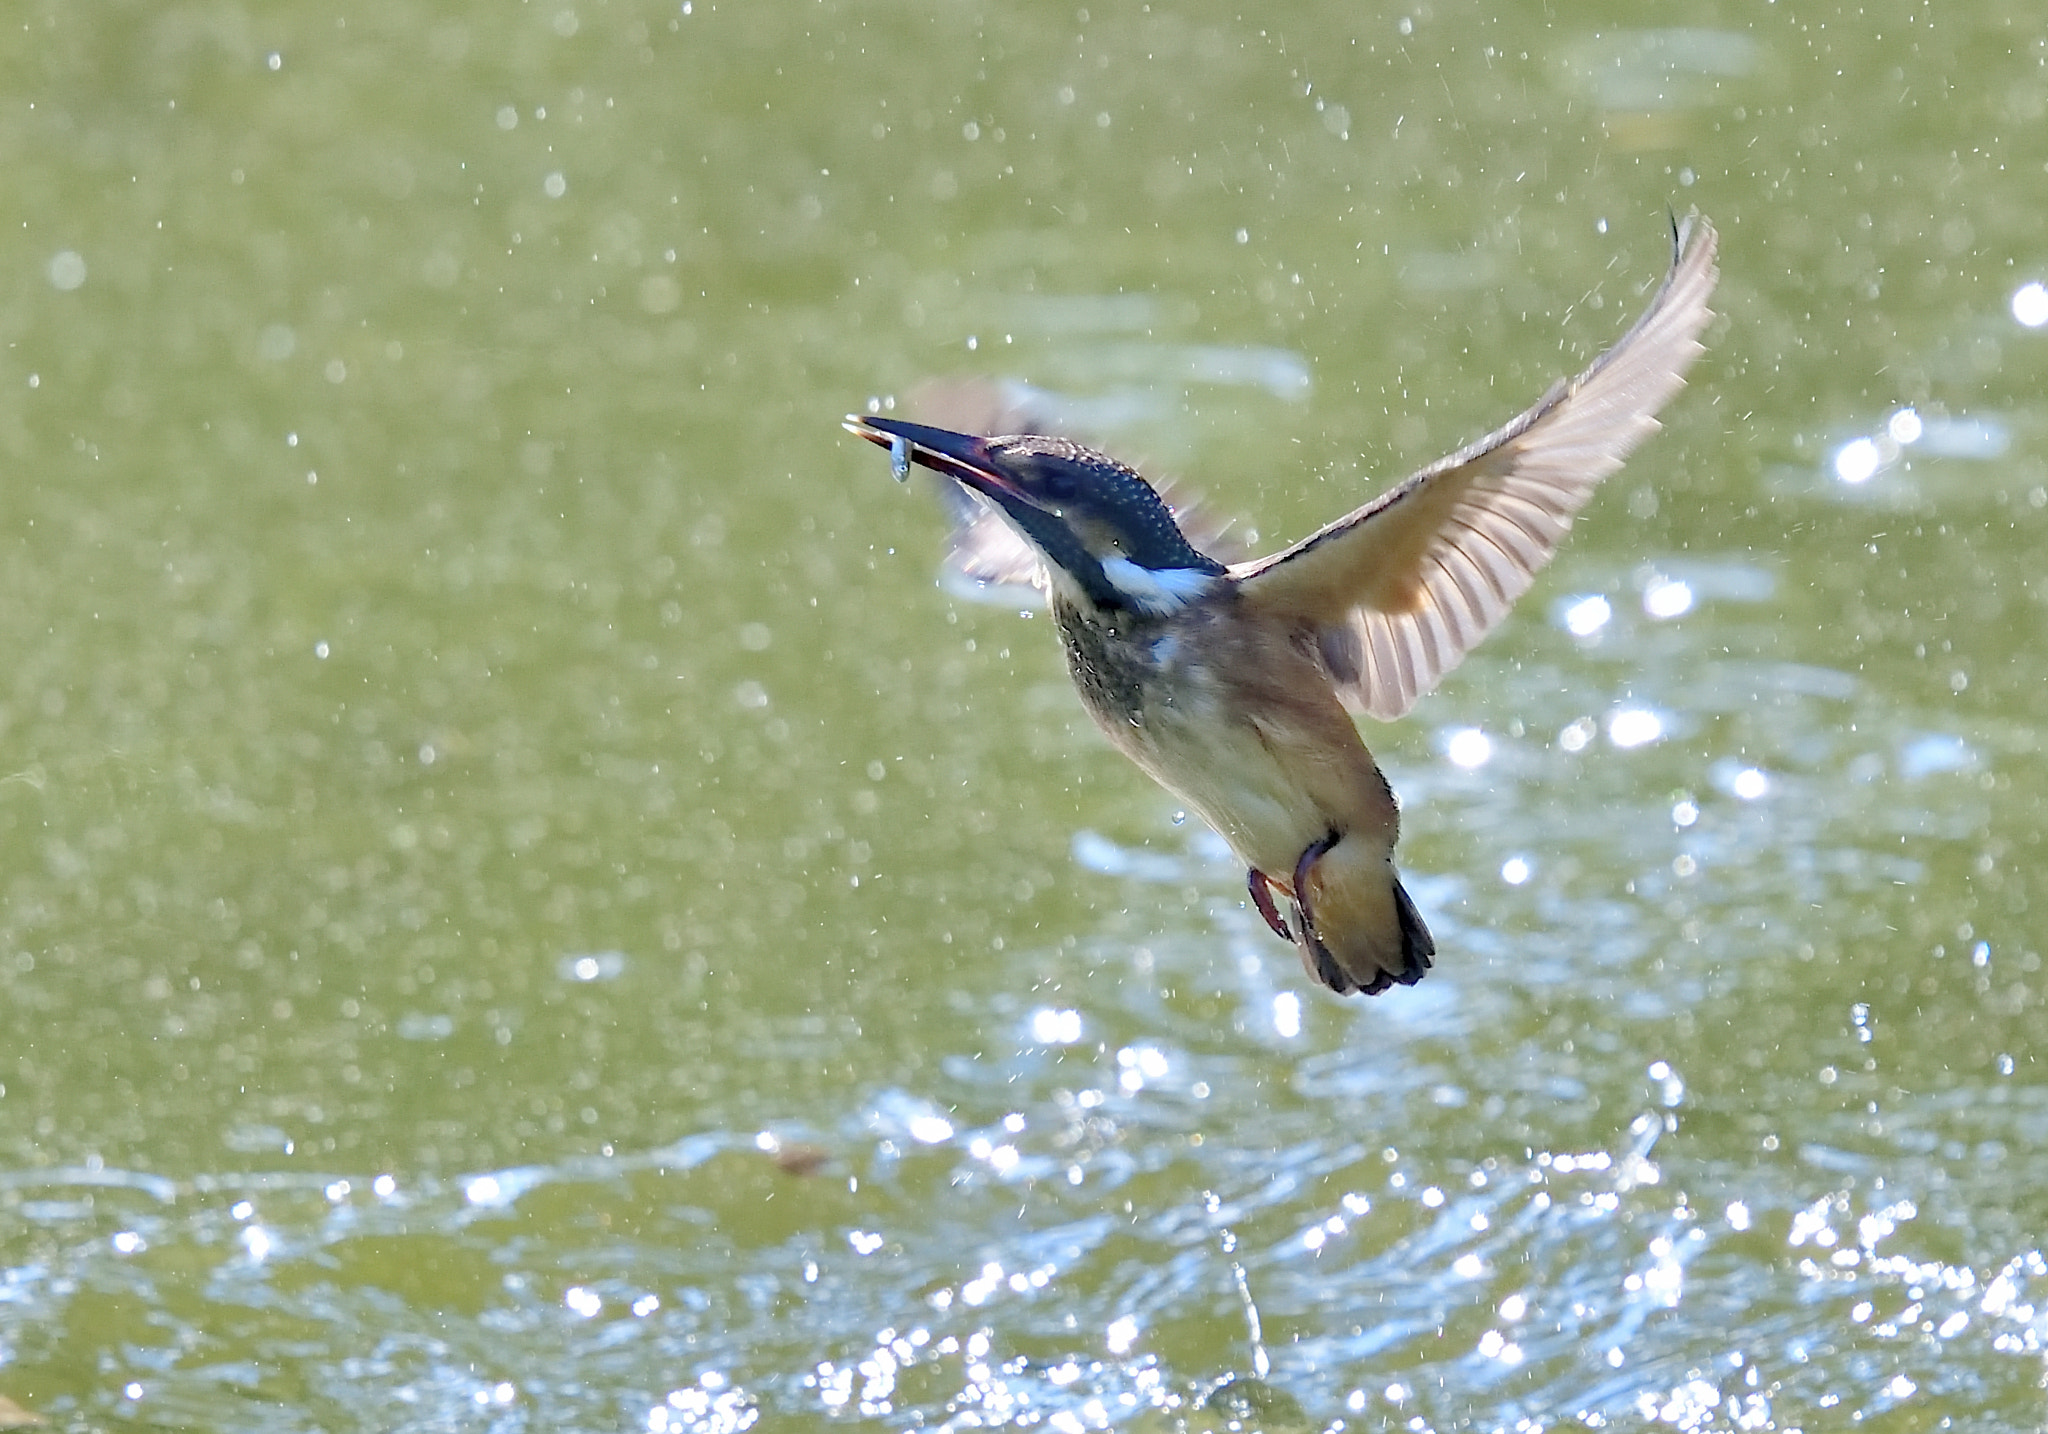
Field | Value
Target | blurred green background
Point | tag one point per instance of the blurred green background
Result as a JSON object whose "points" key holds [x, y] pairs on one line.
{"points": [[523, 907]]}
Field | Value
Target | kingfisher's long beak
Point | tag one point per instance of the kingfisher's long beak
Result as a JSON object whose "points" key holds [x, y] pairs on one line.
{"points": [[960, 456]]}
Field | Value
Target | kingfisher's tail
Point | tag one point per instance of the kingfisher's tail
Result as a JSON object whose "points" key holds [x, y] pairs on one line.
{"points": [[1356, 925]]}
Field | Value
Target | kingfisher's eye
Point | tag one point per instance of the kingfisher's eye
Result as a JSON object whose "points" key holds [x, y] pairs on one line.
{"points": [[1060, 485]]}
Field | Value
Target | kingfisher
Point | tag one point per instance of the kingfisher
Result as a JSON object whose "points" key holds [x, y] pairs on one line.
{"points": [[1235, 685]]}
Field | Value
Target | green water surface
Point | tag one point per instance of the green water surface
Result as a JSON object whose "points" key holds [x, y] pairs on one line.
{"points": [[523, 907]]}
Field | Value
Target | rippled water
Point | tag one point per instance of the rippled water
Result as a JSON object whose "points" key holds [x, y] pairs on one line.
{"points": [[523, 905]]}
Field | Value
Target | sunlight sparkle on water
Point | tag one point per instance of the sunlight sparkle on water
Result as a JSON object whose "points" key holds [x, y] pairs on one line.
{"points": [[592, 966], [1750, 784], [2030, 304], [1495, 1345], [1515, 870], [1139, 1064], [1468, 747], [1858, 460], [930, 1129], [1670, 1086], [1050, 1027], [1667, 597], [711, 1408], [1587, 615], [1287, 1015], [1634, 727], [1001, 1158]]}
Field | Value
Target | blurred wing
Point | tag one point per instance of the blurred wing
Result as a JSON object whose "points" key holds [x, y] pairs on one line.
{"points": [[986, 559], [1395, 594]]}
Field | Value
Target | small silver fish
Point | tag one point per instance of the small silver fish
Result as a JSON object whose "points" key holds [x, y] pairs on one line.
{"points": [[899, 458]]}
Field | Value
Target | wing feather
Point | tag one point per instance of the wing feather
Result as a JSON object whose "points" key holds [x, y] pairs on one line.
{"points": [[1469, 589], [1392, 596], [1489, 548]]}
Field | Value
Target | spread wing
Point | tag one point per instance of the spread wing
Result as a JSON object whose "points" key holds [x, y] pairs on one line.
{"points": [[987, 560], [1394, 595]]}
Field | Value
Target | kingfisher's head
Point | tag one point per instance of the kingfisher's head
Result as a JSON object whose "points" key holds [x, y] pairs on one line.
{"points": [[1104, 534]]}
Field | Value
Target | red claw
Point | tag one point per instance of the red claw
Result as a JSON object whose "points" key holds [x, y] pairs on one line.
{"points": [[1262, 897]]}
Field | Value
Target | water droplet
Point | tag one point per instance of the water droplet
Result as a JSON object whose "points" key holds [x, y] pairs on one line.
{"points": [[67, 269]]}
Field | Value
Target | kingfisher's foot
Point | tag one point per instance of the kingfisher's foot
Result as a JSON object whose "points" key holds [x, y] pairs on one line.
{"points": [[1262, 897], [1310, 855], [1315, 955]]}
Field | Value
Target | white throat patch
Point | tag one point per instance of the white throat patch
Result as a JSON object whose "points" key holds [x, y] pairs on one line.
{"points": [[1158, 592]]}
